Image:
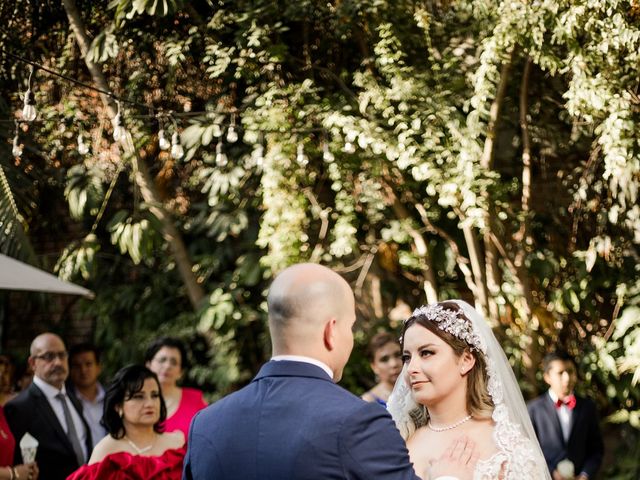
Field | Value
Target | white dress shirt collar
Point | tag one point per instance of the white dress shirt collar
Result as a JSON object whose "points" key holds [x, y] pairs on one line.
{"points": [[564, 416], [301, 358], [49, 390]]}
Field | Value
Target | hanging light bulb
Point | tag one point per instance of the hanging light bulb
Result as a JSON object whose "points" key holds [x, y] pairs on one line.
{"points": [[176, 149], [221, 158], [163, 142], [327, 156], [232, 134], [17, 148], [301, 158], [83, 148], [119, 132], [29, 112]]}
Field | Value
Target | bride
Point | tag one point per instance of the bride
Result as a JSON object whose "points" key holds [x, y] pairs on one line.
{"points": [[457, 382]]}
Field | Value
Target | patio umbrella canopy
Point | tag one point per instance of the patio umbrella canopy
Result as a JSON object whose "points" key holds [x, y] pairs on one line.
{"points": [[16, 275]]}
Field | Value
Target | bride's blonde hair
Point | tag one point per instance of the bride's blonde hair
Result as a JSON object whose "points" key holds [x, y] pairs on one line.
{"points": [[479, 403]]}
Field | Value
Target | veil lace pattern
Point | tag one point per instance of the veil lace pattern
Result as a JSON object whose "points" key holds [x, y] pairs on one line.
{"points": [[519, 456]]}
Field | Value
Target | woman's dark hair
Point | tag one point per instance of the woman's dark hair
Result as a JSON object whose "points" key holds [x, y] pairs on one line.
{"points": [[126, 383], [170, 342], [378, 341]]}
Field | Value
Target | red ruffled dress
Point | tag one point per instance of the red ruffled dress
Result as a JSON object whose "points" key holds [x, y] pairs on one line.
{"points": [[7, 442], [191, 403], [125, 466]]}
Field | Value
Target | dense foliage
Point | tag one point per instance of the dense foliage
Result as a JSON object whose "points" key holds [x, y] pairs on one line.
{"points": [[425, 149]]}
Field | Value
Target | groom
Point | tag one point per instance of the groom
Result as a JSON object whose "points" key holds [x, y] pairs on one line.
{"points": [[292, 422]]}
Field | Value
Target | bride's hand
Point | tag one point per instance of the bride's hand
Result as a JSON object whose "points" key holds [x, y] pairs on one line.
{"points": [[459, 460]]}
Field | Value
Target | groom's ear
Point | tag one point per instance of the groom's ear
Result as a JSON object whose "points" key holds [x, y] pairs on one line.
{"points": [[467, 362], [329, 334]]}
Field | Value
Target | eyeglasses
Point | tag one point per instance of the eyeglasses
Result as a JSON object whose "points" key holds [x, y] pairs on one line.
{"points": [[170, 360], [51, 356]]}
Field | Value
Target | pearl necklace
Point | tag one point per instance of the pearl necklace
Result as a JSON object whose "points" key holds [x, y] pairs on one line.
{"points": [[449, 427], [142, 450]]}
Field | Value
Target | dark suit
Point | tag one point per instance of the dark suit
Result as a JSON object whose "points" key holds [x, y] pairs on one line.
{"points": [[30, 412], [293, 423], [584, 447]]}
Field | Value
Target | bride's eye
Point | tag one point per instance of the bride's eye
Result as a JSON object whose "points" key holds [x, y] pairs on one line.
{"points": [[426, 353], [406, 358]]}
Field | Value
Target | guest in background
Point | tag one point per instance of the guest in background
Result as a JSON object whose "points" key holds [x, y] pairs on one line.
{"points": [[84, 370], [386, 363], [8, 470], [567, 425], [23, 376], [135, 447], [50, 415], [7, 370], [167, 358]]}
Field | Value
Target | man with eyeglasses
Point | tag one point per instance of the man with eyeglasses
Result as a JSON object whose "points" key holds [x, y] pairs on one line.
{"points": [[49, 414]]}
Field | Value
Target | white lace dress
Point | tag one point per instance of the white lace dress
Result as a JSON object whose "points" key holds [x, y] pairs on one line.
{"points": [[516, 457]]}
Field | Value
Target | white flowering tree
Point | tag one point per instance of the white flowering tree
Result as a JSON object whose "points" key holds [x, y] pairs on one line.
{"points": [[425, 149]]}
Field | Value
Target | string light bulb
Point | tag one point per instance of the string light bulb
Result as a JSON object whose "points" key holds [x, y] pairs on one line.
{"points": [[29, 112], [17, 148], [83, 148], [119, 132], [221, 157], [177, 152], [301, 158], [232, 134], [163, 142]]}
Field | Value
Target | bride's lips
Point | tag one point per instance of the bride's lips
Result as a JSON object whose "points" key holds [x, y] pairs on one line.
{"points": [[418, 383]]}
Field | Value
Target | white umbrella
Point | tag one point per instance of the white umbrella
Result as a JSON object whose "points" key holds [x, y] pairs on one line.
{"points": [[16, 275]]}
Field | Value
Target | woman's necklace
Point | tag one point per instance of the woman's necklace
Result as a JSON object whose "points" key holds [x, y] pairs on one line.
{"points": [[449, 427], [142, 450]]}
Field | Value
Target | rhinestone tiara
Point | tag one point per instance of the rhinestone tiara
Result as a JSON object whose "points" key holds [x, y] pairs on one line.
{"points": [[451, 322]]}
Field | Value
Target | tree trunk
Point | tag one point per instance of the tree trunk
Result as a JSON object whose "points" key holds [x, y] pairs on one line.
{"points": [[481, 295], [524, 239], [422, 249], [492, 269], [142, 177]]}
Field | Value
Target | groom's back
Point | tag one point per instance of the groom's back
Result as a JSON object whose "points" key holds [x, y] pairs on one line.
{"points": [[295, 425]]}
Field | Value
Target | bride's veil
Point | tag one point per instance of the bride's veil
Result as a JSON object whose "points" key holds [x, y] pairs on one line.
{"points": [[510, 412]]}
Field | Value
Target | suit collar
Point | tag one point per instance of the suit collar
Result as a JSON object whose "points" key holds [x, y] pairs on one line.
{"points": [[48, 390], [301, 358], [44, 407], [287, 368]]}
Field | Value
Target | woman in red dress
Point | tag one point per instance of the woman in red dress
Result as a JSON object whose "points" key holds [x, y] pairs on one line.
{"points": [[135, 447], [167, 358]]}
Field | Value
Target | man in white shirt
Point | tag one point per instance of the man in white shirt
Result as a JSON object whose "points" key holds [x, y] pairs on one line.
{"points": [[84, 370], [45, 411]]}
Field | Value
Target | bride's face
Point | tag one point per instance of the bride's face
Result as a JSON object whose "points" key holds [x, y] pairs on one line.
{"points": [[434, 371]]}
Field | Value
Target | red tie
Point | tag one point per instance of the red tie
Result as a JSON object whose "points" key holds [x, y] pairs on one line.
{"points": [[569, 401]]}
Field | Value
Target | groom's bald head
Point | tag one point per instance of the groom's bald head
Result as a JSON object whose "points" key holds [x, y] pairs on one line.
{"points": [[301, 300]]}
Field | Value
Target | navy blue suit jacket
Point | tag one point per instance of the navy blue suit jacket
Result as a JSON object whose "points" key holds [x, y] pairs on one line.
{"points": [[293, 423], [584, 447]]}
